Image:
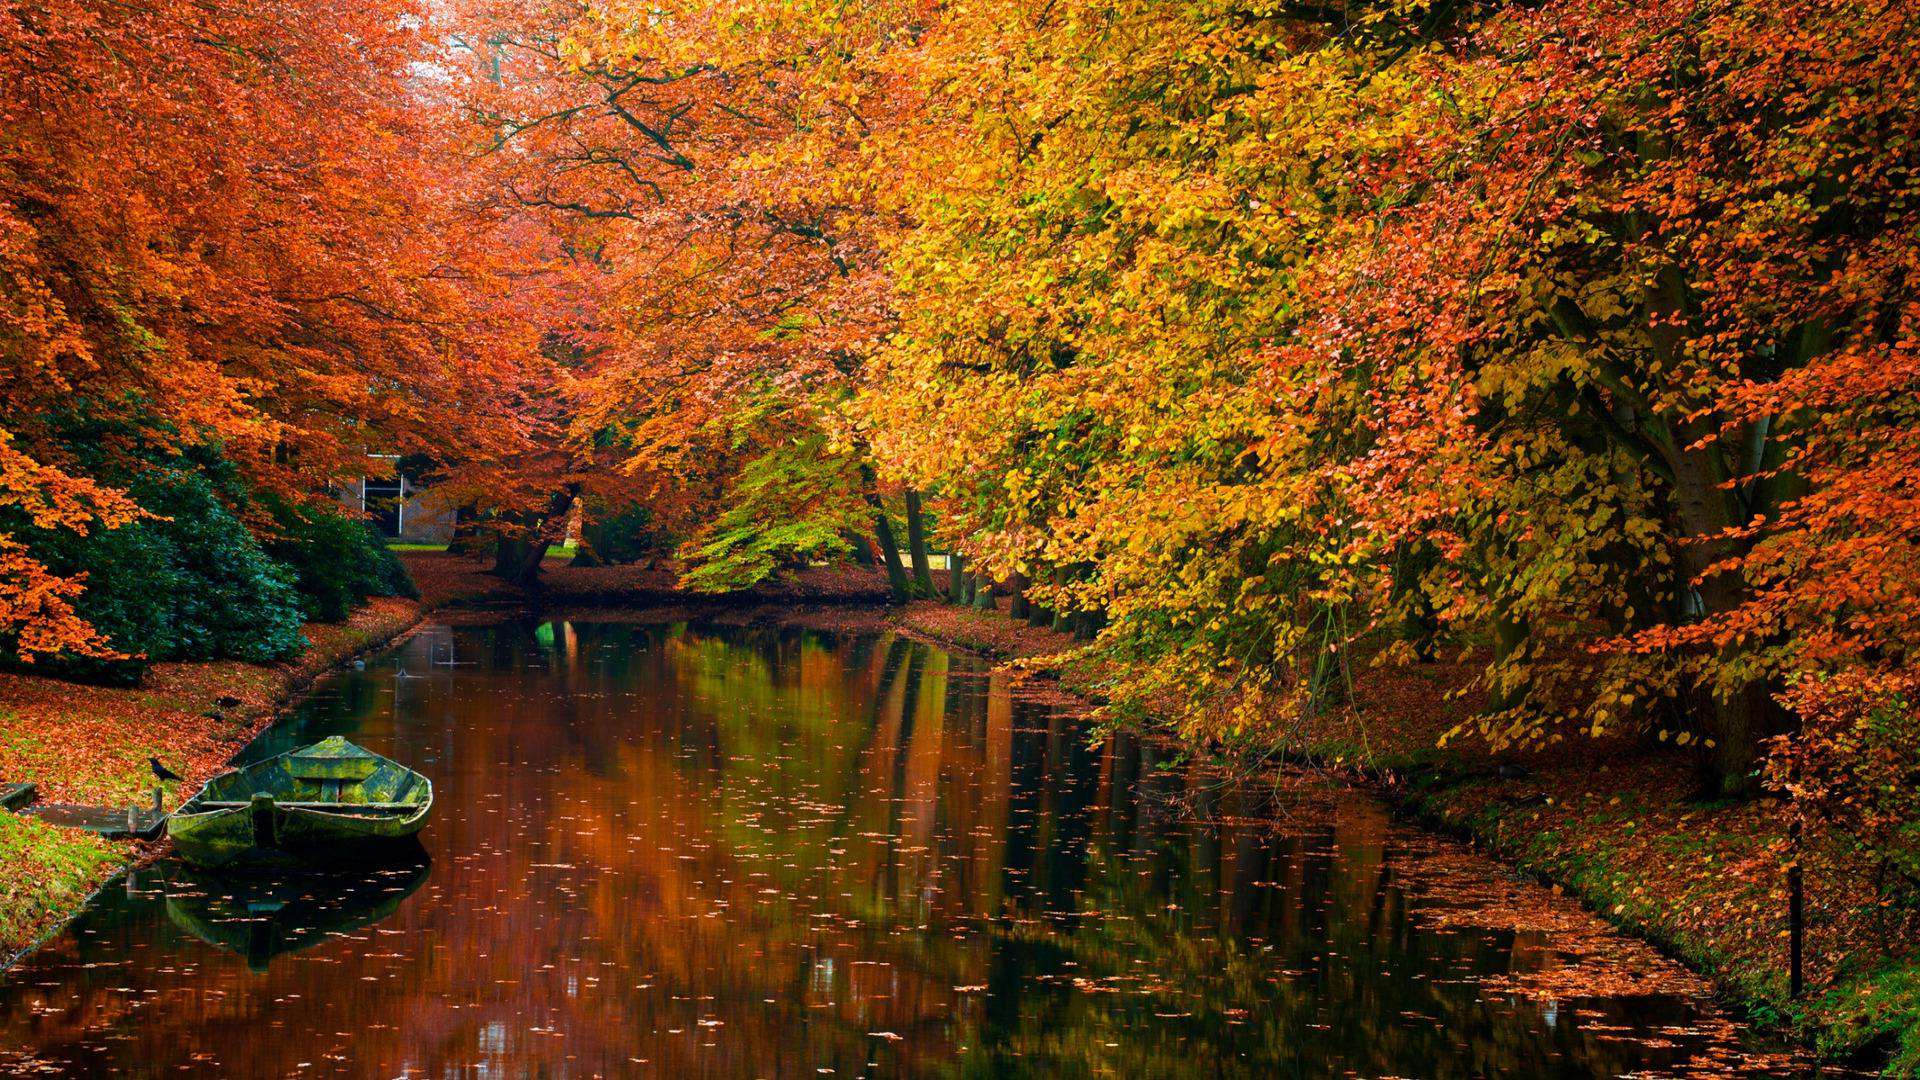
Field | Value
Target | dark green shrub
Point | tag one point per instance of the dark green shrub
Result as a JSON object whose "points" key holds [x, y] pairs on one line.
{"points": [[394, 578], [337, 560], [189, 584], [625, 536]]}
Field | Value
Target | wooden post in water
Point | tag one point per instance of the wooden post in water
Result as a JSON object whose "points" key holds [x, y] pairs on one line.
{"points": [[261, 809]]}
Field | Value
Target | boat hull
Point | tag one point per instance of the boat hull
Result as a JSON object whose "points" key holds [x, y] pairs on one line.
{"points": [[224, 837], [322, 803]]}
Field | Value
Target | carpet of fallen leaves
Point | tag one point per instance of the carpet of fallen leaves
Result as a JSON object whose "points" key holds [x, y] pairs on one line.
{"points": [[90, 744], [1624, 833], [1617, 826], [986, 632]]}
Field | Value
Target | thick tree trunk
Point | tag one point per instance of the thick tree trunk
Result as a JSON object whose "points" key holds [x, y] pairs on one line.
{"points": [[917, 545], [862, 551], [1017, 605], [1509, 633], [897, 582], [1737, 721], [517, 559], [1706, 506], [982, 591], [1086, 623], [1038, 615], [1690, 455], [1420, 627], [957, 578], [468, 537]]}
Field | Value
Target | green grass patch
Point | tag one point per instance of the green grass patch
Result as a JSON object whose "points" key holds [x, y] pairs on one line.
{"points": [[44, 872], [554, 551], [14, 739], [1879, 1008]]}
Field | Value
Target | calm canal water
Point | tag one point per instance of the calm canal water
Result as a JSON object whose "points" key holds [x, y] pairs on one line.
{"points": [[717, 851]]}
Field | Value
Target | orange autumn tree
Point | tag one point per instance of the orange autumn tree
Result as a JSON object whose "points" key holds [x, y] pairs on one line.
{"points": [[36, 607], [254, 227], [1614, 315], [704, 160]]}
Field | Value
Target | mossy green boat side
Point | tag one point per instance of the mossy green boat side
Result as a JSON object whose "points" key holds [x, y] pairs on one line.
{"points": [[318, 803]]}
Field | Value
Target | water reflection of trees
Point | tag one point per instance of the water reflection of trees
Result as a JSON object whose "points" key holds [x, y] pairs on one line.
{"points": [[760, 851]]}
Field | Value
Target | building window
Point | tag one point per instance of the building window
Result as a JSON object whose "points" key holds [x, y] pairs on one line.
{"points": [[384, 502]]}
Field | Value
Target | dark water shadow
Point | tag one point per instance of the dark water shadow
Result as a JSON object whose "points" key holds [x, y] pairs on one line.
{"points": [[260, 916]]}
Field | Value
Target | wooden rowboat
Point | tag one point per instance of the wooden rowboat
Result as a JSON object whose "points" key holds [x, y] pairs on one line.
{"points": [[311, 804]]}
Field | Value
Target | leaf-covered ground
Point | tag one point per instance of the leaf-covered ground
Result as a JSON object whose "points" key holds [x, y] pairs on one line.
{"points": [[90, 744], [44, 872], [1620, 827]]}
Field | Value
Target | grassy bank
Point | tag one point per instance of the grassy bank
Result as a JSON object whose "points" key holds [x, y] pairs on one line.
{"points": [[1617, 825], [44, 873], [90, 744]]}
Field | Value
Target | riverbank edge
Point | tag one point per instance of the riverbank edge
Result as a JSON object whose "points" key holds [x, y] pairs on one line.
{"points": [[93, 864], [1864, 1022]]}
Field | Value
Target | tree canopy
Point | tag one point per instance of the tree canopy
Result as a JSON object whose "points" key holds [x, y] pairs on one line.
{"points": [[1266, 340]]}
